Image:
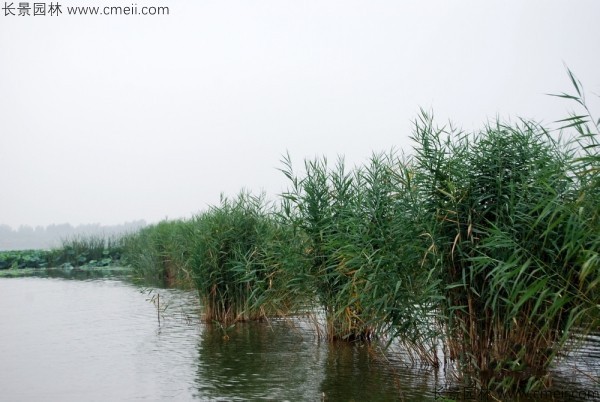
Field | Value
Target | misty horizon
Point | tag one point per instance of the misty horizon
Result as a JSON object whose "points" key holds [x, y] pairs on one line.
{"points": [[51, 236]]}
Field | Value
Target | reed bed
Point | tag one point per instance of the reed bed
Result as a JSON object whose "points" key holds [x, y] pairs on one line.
{"points": [[95, 250], [239, 256], [160, 253], [482, 249], [512, 213], [361, 250]]}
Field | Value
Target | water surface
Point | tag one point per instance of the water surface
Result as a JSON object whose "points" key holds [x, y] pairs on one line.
{"points": [[101, 340]]}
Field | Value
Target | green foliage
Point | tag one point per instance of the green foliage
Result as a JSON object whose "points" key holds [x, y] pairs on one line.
{"points": [[513, 219], [23, 259], [482, 246], [78, 252], [360, 246], [235, 260], [236, 255], [160, 253], [95, 251]]}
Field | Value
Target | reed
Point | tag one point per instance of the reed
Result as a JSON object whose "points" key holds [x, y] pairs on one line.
{"points": [[320, 206], [585, 235], [93, 250], [232, 260], [160, 253], [512, 214], [481, 248], [359, 248]]}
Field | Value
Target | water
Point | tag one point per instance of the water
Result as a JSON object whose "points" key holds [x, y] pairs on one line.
{"points": [[68, 340], [100, 340]]}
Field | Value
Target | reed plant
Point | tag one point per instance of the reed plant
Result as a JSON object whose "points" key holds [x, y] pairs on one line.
{"points": [[234, 260], [320, 207], [160, 253], [398, 291], [85, 250], [359, 248], [483, 247], [512, 214], [584, 236]]}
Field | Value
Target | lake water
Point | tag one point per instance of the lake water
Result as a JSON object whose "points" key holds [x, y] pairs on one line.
{"points": [[101, 340]]}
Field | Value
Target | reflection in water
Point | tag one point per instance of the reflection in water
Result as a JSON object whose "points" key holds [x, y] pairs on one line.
{"points": [[580, 370], [355, 372], [260, 361], [100, 340], [280, 361]]}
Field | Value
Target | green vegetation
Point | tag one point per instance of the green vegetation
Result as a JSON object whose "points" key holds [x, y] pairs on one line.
{"points": [[511, 232], [482, 245], [232, 259], [90, 251], [78, 252], [23, 259], [513, 219], [482, 249], [160, 253], [236, 254], [362, 254]]}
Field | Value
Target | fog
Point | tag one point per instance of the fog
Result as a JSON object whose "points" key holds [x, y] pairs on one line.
{"points": [[117, 118]]}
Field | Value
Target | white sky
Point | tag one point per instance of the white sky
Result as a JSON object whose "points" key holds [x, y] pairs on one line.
{"points": [[107, 119]]}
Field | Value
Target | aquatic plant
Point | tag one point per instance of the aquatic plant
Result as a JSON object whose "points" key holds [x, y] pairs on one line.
{"points": [[482, 247], [160, 253], [359, 246], [20, 259], [92, 251], [82, 250], [512, 214], [231, 262]]}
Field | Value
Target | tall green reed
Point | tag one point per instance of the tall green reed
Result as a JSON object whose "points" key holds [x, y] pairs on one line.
{"points": [[510, 214], [233, 260], [80, 250], [483, 245], [320, 207], [359, 247], [160, 253], [584, 234]]}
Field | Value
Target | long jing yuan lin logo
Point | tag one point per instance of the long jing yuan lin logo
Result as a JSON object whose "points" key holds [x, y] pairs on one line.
{"points": [[53, 9]]}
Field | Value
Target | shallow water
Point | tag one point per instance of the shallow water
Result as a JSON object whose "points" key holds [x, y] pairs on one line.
{"points": [[100, 340]]}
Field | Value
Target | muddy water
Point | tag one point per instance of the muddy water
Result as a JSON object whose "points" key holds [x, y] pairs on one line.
{"points": [[101, 339]]}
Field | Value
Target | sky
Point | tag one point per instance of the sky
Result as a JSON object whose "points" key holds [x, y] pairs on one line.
{"points": [[114, 118]]}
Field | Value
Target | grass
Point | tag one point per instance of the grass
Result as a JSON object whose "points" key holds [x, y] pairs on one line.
{"points": [[87, 251], [235, 255]]}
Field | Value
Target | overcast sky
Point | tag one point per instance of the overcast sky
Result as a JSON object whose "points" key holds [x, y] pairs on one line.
{"points": [[107, 119]]}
